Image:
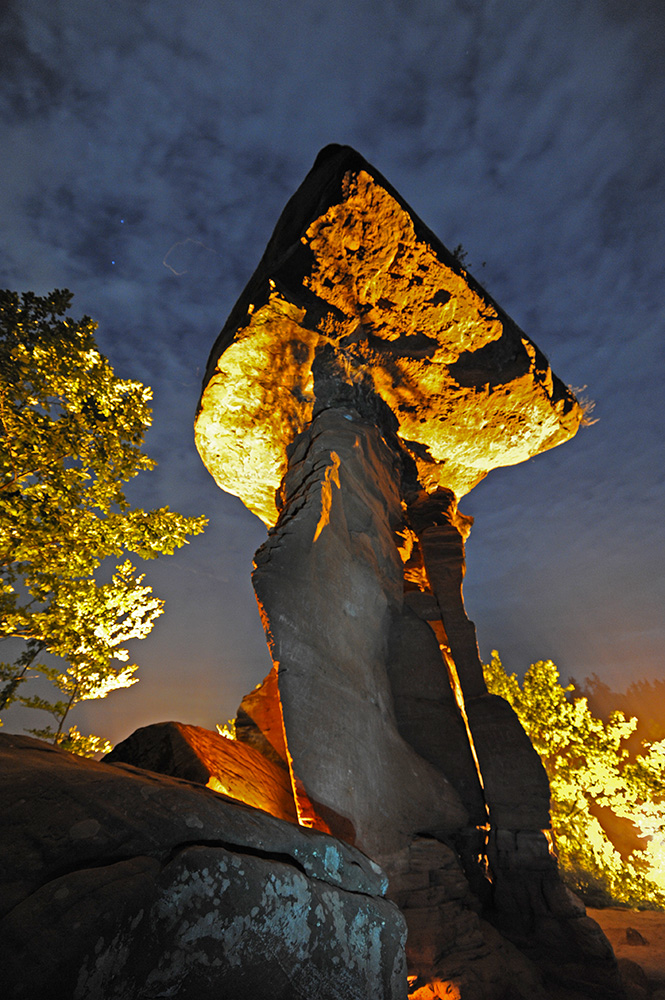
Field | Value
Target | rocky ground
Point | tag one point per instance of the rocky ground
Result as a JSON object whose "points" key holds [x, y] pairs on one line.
{"points": [[638, 939]]}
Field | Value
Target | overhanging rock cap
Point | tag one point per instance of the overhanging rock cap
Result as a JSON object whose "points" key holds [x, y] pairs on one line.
{"points": [[353, 290]]}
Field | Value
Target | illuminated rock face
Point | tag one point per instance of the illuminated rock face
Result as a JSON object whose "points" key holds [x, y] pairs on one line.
{"points": [[259, 721], [329, 583], [228, 766], [381, 751], [354, 289], [362, 384]]}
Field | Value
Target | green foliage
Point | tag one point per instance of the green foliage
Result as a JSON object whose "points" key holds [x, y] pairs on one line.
{"points": [[227, 729], [589, 769], [72, 436]]}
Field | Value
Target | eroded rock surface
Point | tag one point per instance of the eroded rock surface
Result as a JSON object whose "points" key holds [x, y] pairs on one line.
{"points": [[329, 583], [454, 951], [353, 282], [238, 770], [119, 883], [387, 741]]}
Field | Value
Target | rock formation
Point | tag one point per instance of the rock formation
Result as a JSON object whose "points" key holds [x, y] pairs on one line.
{"points": [[229, 766], [363, 383], [355, 301], [120, 884]]}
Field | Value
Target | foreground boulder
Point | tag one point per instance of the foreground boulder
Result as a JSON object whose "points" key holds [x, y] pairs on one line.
{"points": [[453, 948], [119, 883]]}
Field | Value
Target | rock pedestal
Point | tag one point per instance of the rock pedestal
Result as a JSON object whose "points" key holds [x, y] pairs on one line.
{"points": [[329, 585], [363, 383]]}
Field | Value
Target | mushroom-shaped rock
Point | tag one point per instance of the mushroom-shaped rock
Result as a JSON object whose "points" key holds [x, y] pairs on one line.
{"points": [[356, 299], [363, 383]]}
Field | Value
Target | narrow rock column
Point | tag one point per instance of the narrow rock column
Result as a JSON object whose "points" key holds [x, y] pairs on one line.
{"points": [[329, 582], [526, 899], [441, 531], [513, 777]]}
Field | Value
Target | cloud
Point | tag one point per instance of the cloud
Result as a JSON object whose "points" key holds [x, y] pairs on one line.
{"points": [[529, 132]]}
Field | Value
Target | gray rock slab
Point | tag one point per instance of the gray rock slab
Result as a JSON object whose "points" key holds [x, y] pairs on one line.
{"points": [[118, 882]]}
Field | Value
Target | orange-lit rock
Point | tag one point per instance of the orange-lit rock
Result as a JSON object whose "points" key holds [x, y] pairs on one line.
{"points": [[354, 288], [237, 770], [259, 720]]}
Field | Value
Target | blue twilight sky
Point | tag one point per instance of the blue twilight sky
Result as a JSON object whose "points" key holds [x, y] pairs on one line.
{"points": [[147, 150]]}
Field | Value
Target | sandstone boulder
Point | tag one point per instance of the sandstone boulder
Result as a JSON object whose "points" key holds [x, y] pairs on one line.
{"points": [[120, 883], [237, 769]]}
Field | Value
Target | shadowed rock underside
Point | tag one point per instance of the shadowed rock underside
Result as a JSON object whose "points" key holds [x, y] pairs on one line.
{"points": [[354, 290]]}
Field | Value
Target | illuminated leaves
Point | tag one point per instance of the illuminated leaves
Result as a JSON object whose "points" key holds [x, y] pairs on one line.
{"points": [[72, 434], [588, 767]]}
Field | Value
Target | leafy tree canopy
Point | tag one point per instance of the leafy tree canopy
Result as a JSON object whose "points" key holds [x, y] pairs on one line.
{"points": [[72, 433], [590, 772]]}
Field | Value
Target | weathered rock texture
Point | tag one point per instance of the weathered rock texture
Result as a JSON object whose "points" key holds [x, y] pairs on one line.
{"points": [[329, 584], [454, 951], [195, 754], [118, 883], [363, 383], [352, 282]]}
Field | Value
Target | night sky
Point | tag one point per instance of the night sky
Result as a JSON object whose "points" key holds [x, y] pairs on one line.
{"points": [[147, 151]]}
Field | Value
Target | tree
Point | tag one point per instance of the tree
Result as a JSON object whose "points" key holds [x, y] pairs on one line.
{"points": [[72, 436], [590, 771]]}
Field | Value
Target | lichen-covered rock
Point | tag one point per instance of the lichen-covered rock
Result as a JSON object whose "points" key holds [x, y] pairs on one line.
{"points": [[119, 883], [353, 281]]}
